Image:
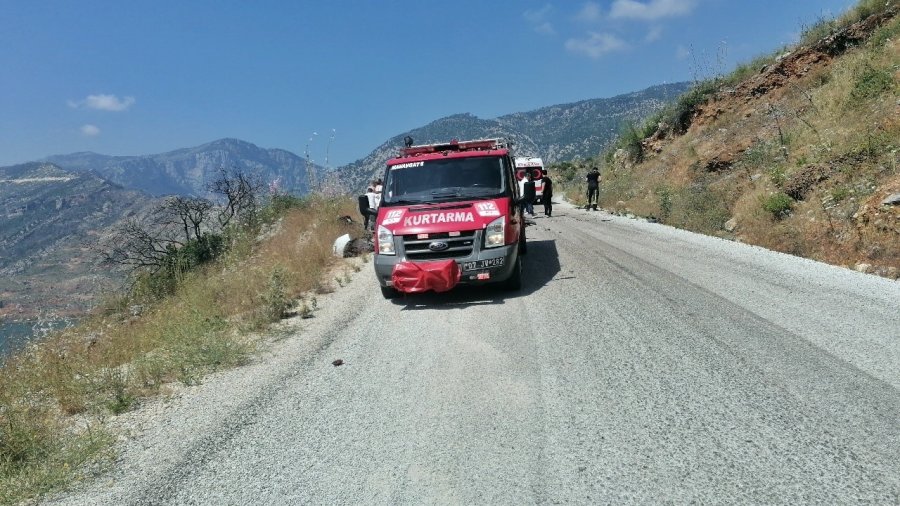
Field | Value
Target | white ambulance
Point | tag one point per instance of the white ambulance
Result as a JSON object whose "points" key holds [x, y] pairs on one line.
{"points": [[534, 165]]}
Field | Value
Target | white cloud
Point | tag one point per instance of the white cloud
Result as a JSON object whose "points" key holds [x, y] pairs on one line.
{"points": [[596, 45], [103, 103], [654, 34], [538, 20], [89, 130], [589, 13], [536, 16], [653, 10], [545, 28], [681, 52]]}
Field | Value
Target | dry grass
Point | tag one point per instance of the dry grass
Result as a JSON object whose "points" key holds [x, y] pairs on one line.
{"points": [[56, 395], [829, 139]]}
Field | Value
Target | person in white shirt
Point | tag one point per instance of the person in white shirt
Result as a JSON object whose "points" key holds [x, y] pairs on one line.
{"points": [[377, 187], [373, 198]]}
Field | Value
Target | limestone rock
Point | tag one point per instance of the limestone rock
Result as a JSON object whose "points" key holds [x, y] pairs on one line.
{"points": [[731, 225]]}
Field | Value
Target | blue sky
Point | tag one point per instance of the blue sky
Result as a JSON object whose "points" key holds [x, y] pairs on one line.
{"points": [[142, 77]]}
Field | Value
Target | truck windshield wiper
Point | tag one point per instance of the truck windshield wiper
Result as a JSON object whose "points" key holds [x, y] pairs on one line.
{"points": [[404, 202], [445, 194]]}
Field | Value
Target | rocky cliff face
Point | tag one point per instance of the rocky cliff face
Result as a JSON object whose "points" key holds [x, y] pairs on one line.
{"points": [[50, 218], [188, 171]]}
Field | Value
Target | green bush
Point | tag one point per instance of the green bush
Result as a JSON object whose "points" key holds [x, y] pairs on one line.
{"points": [[681, 115], [563, 172], [746, 70], [279, 204], [699, 209], [870, 83], [630, 140], [197, 252], [839, 193], [778, 204], [885, 33], [761, 156], [120, 395], [823, 27], [777, 174], [275, 300], [664, 194], [153, 285], [38, 456]]}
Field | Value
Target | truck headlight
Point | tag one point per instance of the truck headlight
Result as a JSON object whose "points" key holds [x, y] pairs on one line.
{"points": [[495, 233], [385, 241]]}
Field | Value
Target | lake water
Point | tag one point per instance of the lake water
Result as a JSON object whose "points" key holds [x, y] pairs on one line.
{"points": [[14, 334]]}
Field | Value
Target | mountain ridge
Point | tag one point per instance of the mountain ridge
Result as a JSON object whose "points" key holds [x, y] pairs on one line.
{"points": [[579, 129], [188, 171]]}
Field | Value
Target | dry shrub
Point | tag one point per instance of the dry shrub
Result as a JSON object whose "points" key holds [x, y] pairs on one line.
{"points": [[831, 147], [111, 360]]}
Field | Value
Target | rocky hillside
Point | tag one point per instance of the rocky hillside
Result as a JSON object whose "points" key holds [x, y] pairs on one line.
{"points": [[188, 171], [559, 132], [50, 218], [796, 152]]}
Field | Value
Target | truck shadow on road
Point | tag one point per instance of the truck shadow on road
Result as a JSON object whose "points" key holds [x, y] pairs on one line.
{"points": [[541, 266]]}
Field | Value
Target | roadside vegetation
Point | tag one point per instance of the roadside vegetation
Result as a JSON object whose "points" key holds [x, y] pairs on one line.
{"points": [[198, 298], [794, 151]]}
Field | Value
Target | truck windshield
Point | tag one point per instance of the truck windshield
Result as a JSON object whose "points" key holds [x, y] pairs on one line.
{"points": [[444, 180]]}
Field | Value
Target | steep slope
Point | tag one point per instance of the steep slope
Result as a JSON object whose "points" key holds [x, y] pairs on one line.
{"points": [[50, 216], [796, 152], [188, 171], [575, 130]]}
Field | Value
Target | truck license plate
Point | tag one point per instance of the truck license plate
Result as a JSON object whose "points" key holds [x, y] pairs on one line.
{"points": [[483, 264]]}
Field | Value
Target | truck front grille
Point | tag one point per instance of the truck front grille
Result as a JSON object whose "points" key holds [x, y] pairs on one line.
{"points": [[457, 246]]}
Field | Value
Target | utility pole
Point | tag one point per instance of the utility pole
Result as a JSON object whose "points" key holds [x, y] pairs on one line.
{"points": [[328, 147], [311, 182]]}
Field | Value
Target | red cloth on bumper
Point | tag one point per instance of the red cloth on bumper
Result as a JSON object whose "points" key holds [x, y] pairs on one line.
{"points": [[416, 277]]}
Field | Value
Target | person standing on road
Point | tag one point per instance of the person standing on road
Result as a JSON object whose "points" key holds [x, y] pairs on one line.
{"points": [[528, 195], [368, 207], [372, 197], [377, 186], [547, 196], [593, 190]]}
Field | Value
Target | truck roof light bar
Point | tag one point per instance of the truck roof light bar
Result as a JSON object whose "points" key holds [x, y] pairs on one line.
{"points": [[454, 145]]}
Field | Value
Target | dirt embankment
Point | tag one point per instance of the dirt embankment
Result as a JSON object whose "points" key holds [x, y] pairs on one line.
{"points": [[800, 155]]}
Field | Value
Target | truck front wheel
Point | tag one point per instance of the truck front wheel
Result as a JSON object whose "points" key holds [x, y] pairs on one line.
{"points": [[514, 281], [389, 293]]}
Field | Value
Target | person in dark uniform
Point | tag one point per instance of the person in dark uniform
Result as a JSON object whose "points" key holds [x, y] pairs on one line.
{"points": [[547, 196], [528, 195], [593, 190]]}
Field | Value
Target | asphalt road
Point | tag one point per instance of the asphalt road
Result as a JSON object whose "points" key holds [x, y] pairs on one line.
{"points": [[640, 364]]}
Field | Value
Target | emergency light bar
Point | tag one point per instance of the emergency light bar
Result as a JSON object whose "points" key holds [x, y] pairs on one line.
{"points": [[454, 145]]}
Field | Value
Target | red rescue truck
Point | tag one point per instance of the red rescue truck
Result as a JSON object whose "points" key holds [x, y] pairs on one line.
{"points": [[449, 214]]}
